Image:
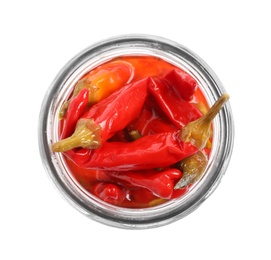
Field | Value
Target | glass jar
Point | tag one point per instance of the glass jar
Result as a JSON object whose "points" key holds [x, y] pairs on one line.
{"points": [[61, 88]]}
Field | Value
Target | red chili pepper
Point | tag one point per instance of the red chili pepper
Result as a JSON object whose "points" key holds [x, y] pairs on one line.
{"points": [[110, 192], [159, 183], [116, 111], [75, 110], [179, 111], [107, 117], [182, 82], [147, 152]]}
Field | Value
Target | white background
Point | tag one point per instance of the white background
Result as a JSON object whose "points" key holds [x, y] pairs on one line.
{"points": [[39, 37]]}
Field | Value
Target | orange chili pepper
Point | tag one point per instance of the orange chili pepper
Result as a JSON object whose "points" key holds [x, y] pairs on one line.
{"points": [[101, 82]]}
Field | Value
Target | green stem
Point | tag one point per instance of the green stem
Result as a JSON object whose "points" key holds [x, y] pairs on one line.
{"points": [[198, 132], [87, 134]]}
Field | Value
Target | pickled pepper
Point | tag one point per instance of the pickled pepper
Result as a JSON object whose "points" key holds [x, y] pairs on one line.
{"points": [[147, 152], [105, 118], [101, 82], [179, 111], [75, 110], [182, 82]]}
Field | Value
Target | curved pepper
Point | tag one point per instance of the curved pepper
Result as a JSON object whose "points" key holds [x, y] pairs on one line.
{"points": [[182, 82], [75, 110], [159, 183], [105, 118], [147, 152], [178, 111], [101, 82]]}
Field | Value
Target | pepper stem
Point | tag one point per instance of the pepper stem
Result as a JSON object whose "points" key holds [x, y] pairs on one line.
{"points": [[83, 83], [198, 132], [192, 167], [87, 134]]}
